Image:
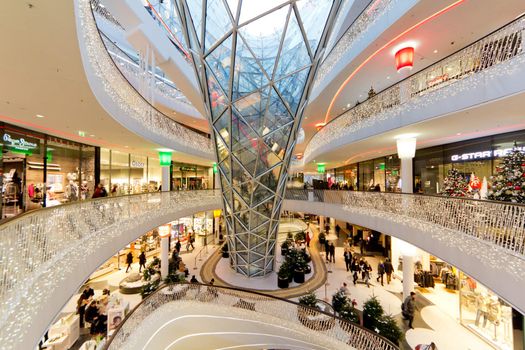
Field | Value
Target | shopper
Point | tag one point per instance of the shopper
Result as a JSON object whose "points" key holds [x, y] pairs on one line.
{"points": [[355, 269], [326, 248], [408, 309], [129, 261], [348, 258], [367, 272], [344, 289], [337, 230], [81, 307], [193, 279], [103, 192], [362, 268], [331, 250], [97, 192], [380, 271], [389, 269], [142, 261]]}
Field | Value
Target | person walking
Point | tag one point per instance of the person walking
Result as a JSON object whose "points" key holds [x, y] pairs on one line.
{"points": [[142, 261], [389, 269], [327, 249], [191, 240], [355, 269], [178, 245], [129, 261], [408, 309], [337, 230], [344, 289], [331, 250], [367, 272], [348, 258], [380, 271]]}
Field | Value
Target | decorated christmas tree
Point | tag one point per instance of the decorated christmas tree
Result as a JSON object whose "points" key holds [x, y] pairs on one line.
{"points": [[455, 185], [509, 182]]}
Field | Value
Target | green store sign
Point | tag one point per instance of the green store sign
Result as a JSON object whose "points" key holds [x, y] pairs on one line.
{"points": [[20, 143]]}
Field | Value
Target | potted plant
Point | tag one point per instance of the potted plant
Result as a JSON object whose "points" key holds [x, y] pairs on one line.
{"points": [[309, 299], [298, 275], [309, 315], [283, 276], [285, 248], [225, 252]]}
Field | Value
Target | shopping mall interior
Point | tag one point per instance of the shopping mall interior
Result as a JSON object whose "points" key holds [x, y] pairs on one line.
{"points": [[284, 174]]}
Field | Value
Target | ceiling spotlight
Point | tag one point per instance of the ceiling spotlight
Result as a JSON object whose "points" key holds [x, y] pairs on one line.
{"points": [[404, 58], [40, 116], [435, 51], [319, 126], [348, 105]]}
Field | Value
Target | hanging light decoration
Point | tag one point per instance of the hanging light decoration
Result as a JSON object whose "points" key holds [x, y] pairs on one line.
{"points": [[404, 58]]}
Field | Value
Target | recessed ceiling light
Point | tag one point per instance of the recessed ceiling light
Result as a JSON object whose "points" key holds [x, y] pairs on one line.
{"points": [[348, 105], [458, 134], [92, 135], [388, 77], [40, 116], [126, 146], [435, 51]]}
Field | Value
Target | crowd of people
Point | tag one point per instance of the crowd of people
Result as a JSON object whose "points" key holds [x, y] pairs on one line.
{"points": [[93, 310]]}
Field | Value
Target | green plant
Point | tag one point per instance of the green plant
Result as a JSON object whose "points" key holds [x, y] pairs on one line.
{"points": [[174, 278], [388, 328], [289, 236], [372, 313], [284, 271], [300, 236], [309, 299], [148, 273], [339, 299], [149, 288], [349, 313]]}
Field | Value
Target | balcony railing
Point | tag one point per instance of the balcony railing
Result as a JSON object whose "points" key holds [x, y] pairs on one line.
{"points": [[499, 224], [370, 15], [135, 109], [338, 333], [50, 250], [132, 71], [492, 52]]}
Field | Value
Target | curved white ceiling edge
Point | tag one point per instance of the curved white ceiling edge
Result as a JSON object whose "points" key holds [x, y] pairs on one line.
{"points": [[102, 93], [478, 89], [500, 278]]}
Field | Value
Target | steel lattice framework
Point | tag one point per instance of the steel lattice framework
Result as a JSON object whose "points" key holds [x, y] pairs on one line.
{"points": [[255, 64]]}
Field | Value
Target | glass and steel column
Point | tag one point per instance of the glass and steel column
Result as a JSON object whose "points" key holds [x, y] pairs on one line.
{"points": [[255, 61]]}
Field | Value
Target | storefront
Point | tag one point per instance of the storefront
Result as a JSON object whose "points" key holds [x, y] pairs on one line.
{"points": [[478, 156], [39, 170], [124, 173]]}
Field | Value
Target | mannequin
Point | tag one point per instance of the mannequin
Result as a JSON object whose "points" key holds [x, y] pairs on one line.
{"points": [[494, 313], [482, 306], [72, 191]]}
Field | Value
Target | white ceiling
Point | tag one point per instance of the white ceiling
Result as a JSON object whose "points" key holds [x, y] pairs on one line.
{"points": [[42, 73], [447, 34]]}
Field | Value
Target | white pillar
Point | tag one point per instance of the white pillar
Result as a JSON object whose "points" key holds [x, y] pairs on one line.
{"points": [[165, 179], [425, 260], [332, 224], [408, 275], [406, 150], [164, 232], [321, 223], [164, 256]]}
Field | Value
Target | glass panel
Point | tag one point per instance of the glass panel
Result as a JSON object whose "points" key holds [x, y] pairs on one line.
{"points": [[264, 35], [154, 174], [217, 22], [221, 148], [366, 176], [379, 174], [63, 172], [120, 173], [267, 159], [233, 4], [249, 76], [87, 177], [260, 194], [257, 8], [292, 87], [218, 99], [138, 174], [195, 7], [222, 127], [392, 172], [219, 62], [105, 166], [294, 54], [313, 13]]}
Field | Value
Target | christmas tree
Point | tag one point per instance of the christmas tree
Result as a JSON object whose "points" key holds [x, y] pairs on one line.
{"points": [[509, 182], [455, 185]]}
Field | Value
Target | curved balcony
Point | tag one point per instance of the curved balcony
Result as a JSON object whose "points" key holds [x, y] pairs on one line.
{"points": [[485, 239], [489, 69], [45, 255], [122, 101], [179, 316]]}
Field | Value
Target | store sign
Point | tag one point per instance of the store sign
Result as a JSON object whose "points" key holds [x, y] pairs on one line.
{"points": [[137, 164], [20, 143], [188, 168], [483, 154]]}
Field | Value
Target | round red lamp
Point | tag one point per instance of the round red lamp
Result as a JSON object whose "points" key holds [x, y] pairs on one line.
{"points": [[404, 58]]}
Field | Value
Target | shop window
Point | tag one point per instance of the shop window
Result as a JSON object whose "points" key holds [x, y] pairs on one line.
{"points": [[154, 174], [366, 175], [105, 168], [87, 176], [392, 174], [379, 174], [138, 174], [120, 173], [64, 174], [485, 313]]}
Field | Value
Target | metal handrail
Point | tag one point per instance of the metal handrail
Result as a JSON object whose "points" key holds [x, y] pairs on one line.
{"points": [[501, 45], [345, 332]]}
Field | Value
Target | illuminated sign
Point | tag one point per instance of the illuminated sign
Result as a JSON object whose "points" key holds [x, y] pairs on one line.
{"points": [[215, 168], [188, 168], [20, 143], [483, 154], [321, 168], [165, 158]]}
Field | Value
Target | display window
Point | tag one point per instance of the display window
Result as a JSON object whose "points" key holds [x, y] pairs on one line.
{"points": [[138, 174], [366, 175], [485, 313], [105, 168], [154, 174], [120, 173]]}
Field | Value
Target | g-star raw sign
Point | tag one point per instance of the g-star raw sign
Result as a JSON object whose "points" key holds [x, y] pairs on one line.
{"points": [[20, 143], [483, 154]]}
